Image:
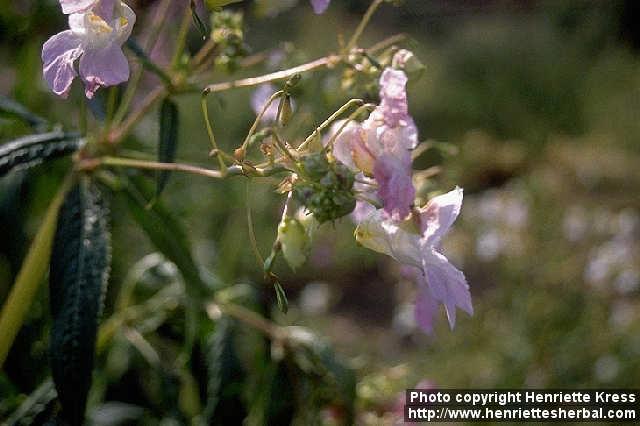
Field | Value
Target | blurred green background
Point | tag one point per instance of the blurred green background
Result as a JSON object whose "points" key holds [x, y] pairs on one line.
{"points": [[534, 109]]}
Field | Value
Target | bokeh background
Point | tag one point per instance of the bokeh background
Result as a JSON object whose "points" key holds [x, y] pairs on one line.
{"points": [[533, 107]]}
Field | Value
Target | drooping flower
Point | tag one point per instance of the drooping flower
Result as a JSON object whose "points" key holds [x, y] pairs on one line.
{"points": [[319, 6], [95, 38], [381, 145], [416, 243]]}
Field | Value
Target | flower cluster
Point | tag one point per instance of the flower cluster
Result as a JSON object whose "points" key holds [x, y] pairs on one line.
{"points": [[97, 31], [379, 150]]}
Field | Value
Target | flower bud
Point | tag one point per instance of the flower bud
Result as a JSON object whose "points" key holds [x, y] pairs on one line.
{"points": [[294, 240]]}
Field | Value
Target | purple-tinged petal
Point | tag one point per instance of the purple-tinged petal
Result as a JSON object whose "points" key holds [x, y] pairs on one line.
{"points": [[395, 186], [426, 309], [103, 67], [393, 97], [447, 284], [438, 215], [104, 9], [76, 6], [58, 55], [319, 6]]}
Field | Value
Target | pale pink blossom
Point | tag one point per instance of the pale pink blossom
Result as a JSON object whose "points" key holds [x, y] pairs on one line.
{"points": [[415, 243], [381, 146], [95, 38]]}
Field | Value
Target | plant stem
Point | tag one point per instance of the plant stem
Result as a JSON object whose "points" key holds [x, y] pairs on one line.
{"points": [[30, 276], [330, 120], [212, 138], [275, 76], [363, 24], [266, 106], [155, 96], [252, 234]]}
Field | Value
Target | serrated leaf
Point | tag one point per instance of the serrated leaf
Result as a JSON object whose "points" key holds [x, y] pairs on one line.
{"points": [[225, 376], [31, 150], [165, 233], [167, 141], [11, 108], [77, 281]]}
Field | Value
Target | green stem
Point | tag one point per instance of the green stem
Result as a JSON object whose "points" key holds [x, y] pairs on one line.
{"points": [[30, 276], [266, 106], [330, 120], [363, 24], [212, 138]]}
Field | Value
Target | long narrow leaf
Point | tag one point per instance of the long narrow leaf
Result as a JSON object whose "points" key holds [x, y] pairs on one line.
{"points": [[146, 62], [165, 233], [31, 150], [11, 108], [78, 276], [167, 141]]}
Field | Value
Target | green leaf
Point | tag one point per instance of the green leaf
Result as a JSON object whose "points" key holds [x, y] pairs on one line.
{"points": [[11, 108], [226, 377], [165, 233], [168, 141], [78, 277], [146, 62], [202, 28], [31, 150]]}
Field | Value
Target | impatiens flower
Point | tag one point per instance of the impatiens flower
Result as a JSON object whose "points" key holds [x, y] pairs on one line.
{"points": [[381, 145], [95, 38], [319, 6], [415, 243]]}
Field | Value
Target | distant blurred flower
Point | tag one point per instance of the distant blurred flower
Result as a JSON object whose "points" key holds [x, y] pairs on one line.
{"points": [[319, 6], [95, 37], [489, 245], [575, 223], [415, 243], [314, 298]]}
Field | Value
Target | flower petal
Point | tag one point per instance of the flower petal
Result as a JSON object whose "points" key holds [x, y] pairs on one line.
{"points": [[395, 186], [58, 55], [426, 309], [439, 214], [319, 6], [103, 67], [447, 283], [76, 6]]}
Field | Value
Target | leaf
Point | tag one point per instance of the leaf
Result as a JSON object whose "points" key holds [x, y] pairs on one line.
{"points": [[146, 62], [77, 279], [168, 141], [202, 28], [11, 108], [31, 150], [225, 379], [165, 233], [28, 280]]}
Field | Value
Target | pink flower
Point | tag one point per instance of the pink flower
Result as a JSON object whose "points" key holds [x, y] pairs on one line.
{"points": [[95, 38], [415, 243], [319, 6], [77, 6], [380, 146]]}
